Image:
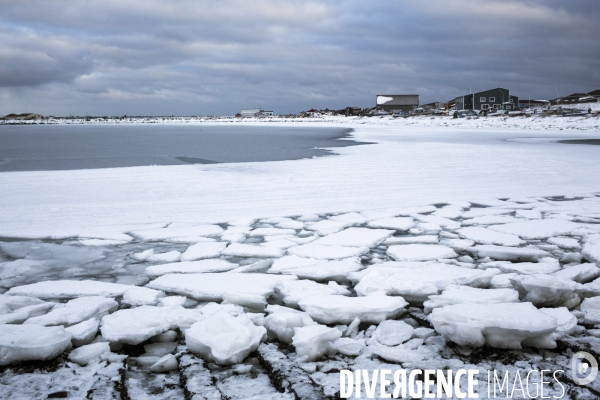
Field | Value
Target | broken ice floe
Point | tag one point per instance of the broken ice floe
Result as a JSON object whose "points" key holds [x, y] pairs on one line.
{"points": [[330, 309], [66, 289], [420, 252], [190, 267], [31, 342], [503, 325], [455, 294]]}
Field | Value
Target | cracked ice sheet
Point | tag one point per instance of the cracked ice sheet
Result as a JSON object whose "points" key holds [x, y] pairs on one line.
{"points": [[415, 161]]}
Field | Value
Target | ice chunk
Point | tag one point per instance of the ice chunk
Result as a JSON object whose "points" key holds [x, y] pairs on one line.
{"points": [[141, 296], [294, 291], [327, 226], [482, 212], [76, 311], [399, 223], [349, 347], [64, 289], [332, 309], [181, 231], [582, 273], [102, 242], [259, 266], [591, 307], [397, 211], [213, 287], [290, 224], [425, 239], [545, 266], [433, 219], [509, 253], [224, 339], [455, 294], [170, 301], [136, 325], [271, 232], [319, 270], [457, 244], [565, 243], [502, 325], [355, 237], [83, 332], [450, 211], [280, 244], [88, 353], [311, 342], [420, 252], [490, 220], [165, 364], [393, 333], [190, 267], [12, 303], [591, 249], [31, 342], [281, 324], [350, 217], [24, 313], [539, 228], [548, 291], [565, 320], [502, 281], [416, 284], [200, 251], [592, 288], [143, 255], [247, 250], [165, 337], [327, 252], [168, 257], [488, 236]]}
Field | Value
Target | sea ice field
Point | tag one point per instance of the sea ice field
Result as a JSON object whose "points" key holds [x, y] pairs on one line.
{"points": [[433, 247]]}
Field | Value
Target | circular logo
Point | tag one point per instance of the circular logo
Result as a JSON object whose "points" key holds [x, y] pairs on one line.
{"points": [[581, 363]]}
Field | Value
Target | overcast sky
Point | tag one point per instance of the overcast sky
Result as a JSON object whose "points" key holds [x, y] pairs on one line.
{"points": [[164, 57]]}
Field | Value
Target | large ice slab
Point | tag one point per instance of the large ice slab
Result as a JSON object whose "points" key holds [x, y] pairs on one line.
{"points": [[502, 325], [416, 284], [328, 226], [224, 339], [330, 309], [142, 296], [294, 291], [582, 273], [487, 236], [203, 250], [76, 311], [319, 270], [215, 287], [179, 231], [65, 289], [22, 314], [322, 252], [420, 252], [424, 239], [548, 291], [504, 253], [248, 250], [271, 232], [591, 308], [355, 237], [455, 294], [31, 342], [190, 267], [136, 325], [538, 228]]}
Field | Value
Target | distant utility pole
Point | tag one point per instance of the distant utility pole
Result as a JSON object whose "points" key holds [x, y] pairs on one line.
{"points": [[556, 94]]}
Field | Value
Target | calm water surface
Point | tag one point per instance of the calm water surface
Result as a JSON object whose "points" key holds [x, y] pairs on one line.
{"points": [[64, 147]]}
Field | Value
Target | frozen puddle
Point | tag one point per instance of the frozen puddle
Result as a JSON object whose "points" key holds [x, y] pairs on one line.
{"points": [[274, 308]]}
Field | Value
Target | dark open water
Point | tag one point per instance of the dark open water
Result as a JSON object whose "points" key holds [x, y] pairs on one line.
{"points": [[64, 147]]}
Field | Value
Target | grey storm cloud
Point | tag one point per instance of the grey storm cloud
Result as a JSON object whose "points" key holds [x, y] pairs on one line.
{"points": [[190, 57]]}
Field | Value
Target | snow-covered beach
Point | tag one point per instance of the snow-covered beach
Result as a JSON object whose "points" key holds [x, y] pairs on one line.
{"points": [[444, 244]]}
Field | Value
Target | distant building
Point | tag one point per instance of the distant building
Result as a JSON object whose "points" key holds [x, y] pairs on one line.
{"points": [[256, 112], [438, 105], [397, 102], [487, 100], [23, 117]]}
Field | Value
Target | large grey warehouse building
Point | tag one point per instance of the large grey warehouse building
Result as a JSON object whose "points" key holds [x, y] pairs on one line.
{"points": [[397, 102]]}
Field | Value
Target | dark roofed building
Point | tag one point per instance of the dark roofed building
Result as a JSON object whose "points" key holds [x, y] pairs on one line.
{"points": [[397, 102], [487, 100]]}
